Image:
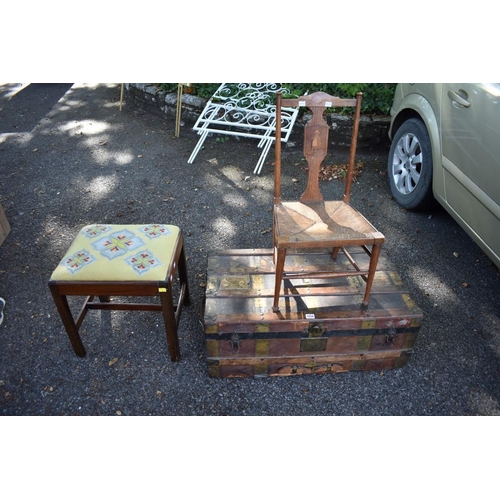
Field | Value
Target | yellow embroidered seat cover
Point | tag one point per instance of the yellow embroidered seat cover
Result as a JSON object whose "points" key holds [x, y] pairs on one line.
{"points": [[115, 252]]}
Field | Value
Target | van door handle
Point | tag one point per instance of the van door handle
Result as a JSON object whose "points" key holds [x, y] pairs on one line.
{"points": [[462, 101]]}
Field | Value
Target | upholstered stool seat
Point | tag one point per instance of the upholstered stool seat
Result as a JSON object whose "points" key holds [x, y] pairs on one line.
{"points": [[107, 260]]}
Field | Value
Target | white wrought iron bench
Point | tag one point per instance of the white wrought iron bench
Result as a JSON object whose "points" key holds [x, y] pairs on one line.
{"points": [[245, 110]]}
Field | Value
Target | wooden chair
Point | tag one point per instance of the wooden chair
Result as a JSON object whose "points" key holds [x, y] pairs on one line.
{"points": [[315, 223], [123, 260]]}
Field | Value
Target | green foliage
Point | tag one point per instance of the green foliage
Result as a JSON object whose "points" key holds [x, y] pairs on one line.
{"points": [[204, 90], [168, 87], [377, 97]]}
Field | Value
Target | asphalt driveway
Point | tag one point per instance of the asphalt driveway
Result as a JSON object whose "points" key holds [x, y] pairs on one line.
{"points": [[69, 157]]}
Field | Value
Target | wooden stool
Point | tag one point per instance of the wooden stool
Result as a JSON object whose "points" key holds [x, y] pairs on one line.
{"points": [[123, 260]]}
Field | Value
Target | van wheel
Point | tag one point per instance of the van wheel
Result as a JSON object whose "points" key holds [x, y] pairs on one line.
{"points": [[410, 166]]}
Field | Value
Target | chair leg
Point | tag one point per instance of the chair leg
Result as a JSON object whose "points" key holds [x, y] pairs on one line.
{"points": [[280, 266], [183, 276], [167, 302], [275, 246], [69, 323], [371, 273], [335, 253]]}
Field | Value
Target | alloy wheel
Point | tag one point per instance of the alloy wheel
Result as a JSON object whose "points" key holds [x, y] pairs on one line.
{"points": [[407, 163]]}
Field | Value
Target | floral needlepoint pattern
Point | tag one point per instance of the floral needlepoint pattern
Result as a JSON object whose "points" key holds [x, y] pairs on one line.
{"points": [[117, 244], [143, 262], [78, 260], [155, 230], [95, 230]]}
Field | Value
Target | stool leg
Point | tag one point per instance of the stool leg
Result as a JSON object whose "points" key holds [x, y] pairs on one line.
{"points": [[68, 321], [167, 303]]}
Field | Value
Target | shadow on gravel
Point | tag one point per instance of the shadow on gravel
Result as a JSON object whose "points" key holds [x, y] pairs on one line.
{"points": [[22, 110]]}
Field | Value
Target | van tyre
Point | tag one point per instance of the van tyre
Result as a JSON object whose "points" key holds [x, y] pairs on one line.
{"points": [[410, 166]]}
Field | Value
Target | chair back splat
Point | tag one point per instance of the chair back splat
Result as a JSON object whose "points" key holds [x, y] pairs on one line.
{"points": [[316, 141], [312, 222]]}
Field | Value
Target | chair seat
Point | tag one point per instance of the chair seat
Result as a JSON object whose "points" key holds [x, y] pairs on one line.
{"points": [[116, 252], [299, 224]]}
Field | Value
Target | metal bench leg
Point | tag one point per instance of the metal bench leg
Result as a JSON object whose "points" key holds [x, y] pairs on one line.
{"points": [[198, 146], [204, 133], [263, 156]]}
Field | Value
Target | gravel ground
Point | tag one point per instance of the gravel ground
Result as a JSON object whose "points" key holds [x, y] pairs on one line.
{"points": [[69, 157]]}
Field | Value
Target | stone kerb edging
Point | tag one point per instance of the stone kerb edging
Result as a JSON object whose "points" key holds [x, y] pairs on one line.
{"points": [[149, 97]]}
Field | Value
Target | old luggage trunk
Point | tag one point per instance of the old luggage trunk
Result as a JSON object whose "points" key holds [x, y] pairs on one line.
{"points": [[320, 328]]}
